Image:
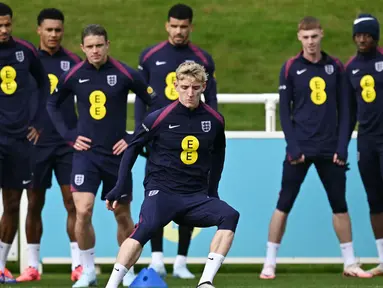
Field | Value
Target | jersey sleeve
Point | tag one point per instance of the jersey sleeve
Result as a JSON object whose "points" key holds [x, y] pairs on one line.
{"points": [[62, 92], [211, 85], [285, 102], [344, 113], [218, 159], [140, 108], [142, 135], [43, 84]]}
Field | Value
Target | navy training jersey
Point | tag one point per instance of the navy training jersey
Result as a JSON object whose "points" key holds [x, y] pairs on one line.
{"points": [[187, 150], [157, 64], [19, 61], [314, 111], [365, 87], [55, 65], [101, 102]]}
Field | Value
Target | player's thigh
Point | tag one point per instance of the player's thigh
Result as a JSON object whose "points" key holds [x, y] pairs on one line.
{"points": [[42, 166], [371, 174], [203, 211], [292, 179], [157, 210], [63, 164], [333, 178], [17, 170], [85, 175]]}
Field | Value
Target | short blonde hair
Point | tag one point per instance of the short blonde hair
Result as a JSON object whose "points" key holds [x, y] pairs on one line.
{"points": [[191, 69]]}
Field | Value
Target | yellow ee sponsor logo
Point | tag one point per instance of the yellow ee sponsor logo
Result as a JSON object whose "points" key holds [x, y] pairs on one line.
{"points": [[54, 81], [170, 90], [8, 82], [189, 145], [97, 108], [318, 93], [368, 88]]}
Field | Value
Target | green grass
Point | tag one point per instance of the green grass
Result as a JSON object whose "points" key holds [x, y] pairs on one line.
{"points": [[230, 276], [249, 39]]}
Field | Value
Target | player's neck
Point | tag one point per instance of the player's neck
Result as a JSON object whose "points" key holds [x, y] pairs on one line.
{"points": [[49, 50], [178, 45], [314, 58], [99, 64]]}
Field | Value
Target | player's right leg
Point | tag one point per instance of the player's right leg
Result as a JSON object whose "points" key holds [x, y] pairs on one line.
{"points": [[42, 175], [292, 179], [371, 171], [63, 169], [15, 170], [85, 180], [157, 210]]}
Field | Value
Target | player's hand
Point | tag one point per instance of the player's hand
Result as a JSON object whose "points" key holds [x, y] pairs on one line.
{"points": [[33, 135], [298, 161], [337, 161], [113, 197], [119, 147], [82, 143]]}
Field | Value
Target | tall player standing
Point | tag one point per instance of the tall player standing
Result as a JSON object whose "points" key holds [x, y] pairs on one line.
{"points": [[52, 152], [157, 65], [19, 60]]}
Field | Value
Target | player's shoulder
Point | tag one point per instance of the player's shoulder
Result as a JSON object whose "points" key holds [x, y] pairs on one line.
{"points": [[25, 46], [71, 55], [205, 57], [148, 52], [123, 68], [214, 115], [289, 63], [72, 72], [351, 62], [335, 61]]}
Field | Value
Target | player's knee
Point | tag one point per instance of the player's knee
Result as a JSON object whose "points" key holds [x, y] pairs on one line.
{"points": [[229, 220], [12, 209], [36, 203], [339, 205], [376, 207], [286, 201], [143, 232], [83, 213]]}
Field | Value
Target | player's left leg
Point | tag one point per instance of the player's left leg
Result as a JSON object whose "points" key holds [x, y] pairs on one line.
{"points": [[63, 168], [203, 211], [180, 269], [333, 177], [122, 214]]}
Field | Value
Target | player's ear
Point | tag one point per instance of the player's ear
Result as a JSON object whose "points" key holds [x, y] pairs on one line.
{"points": [[204, 86], [191, 27], [38, 30], [167, 26], [82, 48]]}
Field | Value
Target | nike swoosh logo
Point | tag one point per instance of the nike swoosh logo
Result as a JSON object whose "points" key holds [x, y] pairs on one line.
{"points": [[158, 63], [116, 269], [83, 80], [26, 181], [355, 71], [299, 72], [210, 258], [173, 126]]}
